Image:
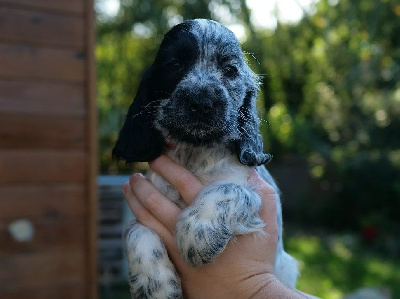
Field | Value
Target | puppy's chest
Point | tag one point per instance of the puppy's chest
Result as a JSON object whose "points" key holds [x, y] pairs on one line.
{"points": [[208, 165]]}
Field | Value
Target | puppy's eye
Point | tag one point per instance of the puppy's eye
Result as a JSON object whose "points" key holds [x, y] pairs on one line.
{"points": [[230, 71]]}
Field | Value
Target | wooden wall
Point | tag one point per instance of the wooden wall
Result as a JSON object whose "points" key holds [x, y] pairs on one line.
{"points": [[47, 149]]}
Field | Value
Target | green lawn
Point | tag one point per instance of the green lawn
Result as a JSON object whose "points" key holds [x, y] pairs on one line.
{"points": [[334, 266]]}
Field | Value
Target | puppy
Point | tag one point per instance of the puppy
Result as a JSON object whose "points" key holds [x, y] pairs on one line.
{"points": [[196, 104]]}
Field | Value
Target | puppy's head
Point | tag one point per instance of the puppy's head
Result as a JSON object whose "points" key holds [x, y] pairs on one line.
{"points": [[199, 91]]}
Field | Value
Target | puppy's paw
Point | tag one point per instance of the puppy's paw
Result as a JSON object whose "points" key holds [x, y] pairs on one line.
{"points": [[221, 211], [199, 240]]}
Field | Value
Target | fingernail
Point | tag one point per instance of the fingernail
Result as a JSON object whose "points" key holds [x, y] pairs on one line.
{"points": [[126, 187], [137, 175], [134, 177]]}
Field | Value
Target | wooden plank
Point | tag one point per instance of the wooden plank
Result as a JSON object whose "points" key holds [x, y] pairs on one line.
{"points": [[27, 62], [45, 268], [42, 131], [51, 233], [92, 255], [52, 64], [41, 27], [71, 6], [42, 166], [47, 201], [24, 97], [63, 291]]}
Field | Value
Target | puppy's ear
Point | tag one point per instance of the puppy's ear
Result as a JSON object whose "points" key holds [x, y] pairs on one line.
{"points": [[249, 147], [138, 140]]}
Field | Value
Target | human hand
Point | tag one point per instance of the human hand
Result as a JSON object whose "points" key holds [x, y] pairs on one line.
{"points": [[246, 266]]}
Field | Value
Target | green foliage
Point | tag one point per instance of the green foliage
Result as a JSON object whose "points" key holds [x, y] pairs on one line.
{"points": [[332, 94]]}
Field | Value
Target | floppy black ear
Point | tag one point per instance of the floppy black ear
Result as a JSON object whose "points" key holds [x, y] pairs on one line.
{"points": [[249, 147], [138, 140]]}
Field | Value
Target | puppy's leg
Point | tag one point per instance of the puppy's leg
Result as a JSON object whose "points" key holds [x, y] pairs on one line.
{"points": [[220, 212], [151, 273]]}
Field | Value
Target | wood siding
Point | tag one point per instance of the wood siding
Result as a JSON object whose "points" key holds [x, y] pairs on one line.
{"points": [[48, 142]]}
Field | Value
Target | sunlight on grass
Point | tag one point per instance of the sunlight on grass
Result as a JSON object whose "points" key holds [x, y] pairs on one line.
{"points": [[330, 269]]}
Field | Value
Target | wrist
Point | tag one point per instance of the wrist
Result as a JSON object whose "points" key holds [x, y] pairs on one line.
{"points": [[267, 288], [274, 288], [254, 287]]}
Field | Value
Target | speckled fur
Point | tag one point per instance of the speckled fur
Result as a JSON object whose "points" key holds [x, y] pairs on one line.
{"points": [[202, 115], [151, 273]]}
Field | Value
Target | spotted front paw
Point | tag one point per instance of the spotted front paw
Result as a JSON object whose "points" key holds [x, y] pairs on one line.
{"points": [[220, 212], [199, 240]]}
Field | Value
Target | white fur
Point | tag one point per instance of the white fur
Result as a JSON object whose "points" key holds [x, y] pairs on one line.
{"points": [[151, 273]]}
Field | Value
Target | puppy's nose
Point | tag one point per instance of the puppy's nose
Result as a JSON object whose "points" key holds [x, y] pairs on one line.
{"points": [[201, 105]]}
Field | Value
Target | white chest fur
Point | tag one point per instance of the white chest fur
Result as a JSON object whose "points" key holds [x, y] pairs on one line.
{"points": [[208, 164]]}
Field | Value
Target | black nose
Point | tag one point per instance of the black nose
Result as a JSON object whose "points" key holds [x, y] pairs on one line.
{"points": [[200, 105], [202, 100]]}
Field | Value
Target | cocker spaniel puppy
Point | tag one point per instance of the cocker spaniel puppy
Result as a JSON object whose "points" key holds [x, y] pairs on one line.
{"points": [[196, 104]]}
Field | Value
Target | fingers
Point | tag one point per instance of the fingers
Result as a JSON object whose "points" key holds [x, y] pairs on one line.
{"points": [[269, 208], [260, 184], [182, 179], [165, 225], [143, 215], [149, 206]]}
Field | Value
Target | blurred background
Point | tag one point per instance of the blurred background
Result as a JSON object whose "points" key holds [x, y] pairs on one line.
{"points": [[330, 110]]}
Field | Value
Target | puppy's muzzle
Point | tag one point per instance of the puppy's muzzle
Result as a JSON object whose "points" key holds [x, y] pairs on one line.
{"points": [[202, 96]]}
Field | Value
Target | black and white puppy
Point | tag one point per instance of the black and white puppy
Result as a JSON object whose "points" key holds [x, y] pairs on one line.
{"points": [[196, 104]]}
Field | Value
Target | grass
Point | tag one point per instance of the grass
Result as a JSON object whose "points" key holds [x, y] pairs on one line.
{"points": [[331, 267], [335, 266]]}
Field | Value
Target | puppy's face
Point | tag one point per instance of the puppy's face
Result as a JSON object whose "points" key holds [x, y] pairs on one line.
{"points": [[202, 80], [199, 91]]}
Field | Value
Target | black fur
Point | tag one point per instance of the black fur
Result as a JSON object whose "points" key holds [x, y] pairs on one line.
{"points": [[138, 140]]}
